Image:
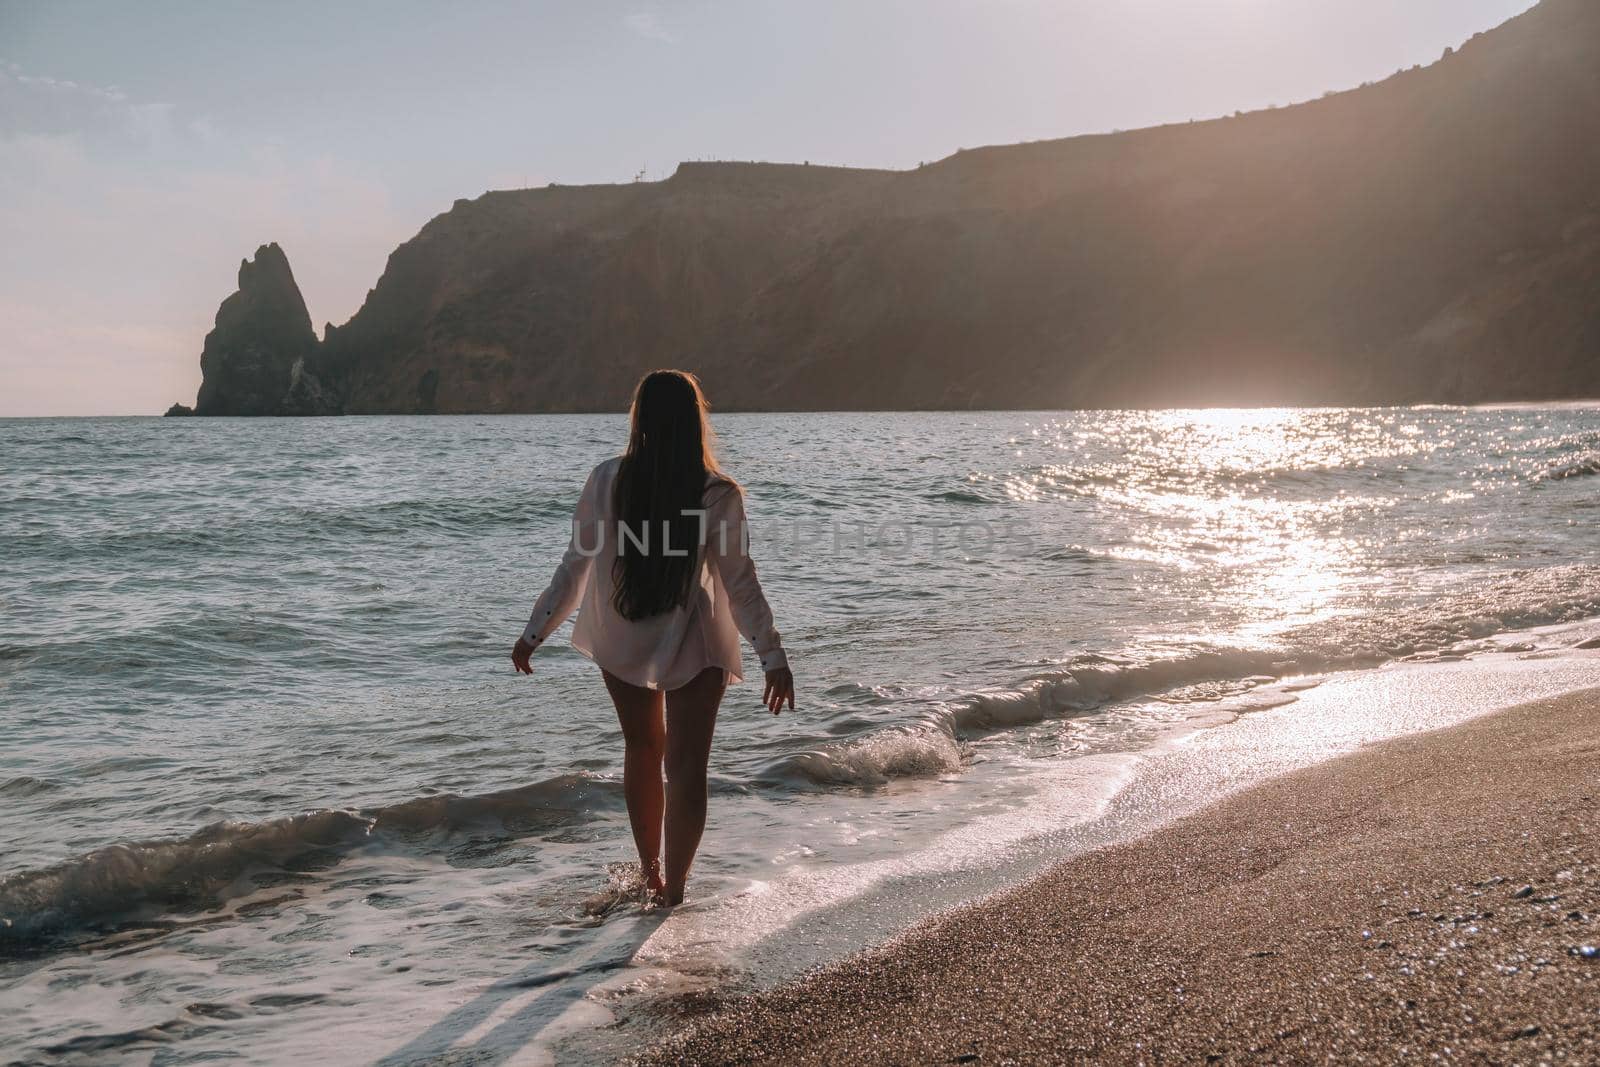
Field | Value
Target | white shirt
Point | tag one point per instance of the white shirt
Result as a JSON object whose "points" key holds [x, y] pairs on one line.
{"points": [[668, 650]]}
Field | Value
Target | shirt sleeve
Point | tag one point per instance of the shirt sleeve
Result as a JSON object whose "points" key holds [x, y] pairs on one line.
{"points": [[728, 550], [566, 587]]}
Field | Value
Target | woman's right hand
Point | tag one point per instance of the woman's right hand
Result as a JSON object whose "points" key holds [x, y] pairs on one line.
{"points": [[780, 687], [519, 657]]}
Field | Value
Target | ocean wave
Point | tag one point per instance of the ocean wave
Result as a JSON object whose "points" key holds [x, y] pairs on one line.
{"points": [[1094, 682], [445, 518], [1076, 554], [960, 496], [1517, 600], [148, 877], [922, 750], [563, 799], [248, 533], [140, 879], [1311, 476], [26, 786], [1578, 467], [1452, 626]]}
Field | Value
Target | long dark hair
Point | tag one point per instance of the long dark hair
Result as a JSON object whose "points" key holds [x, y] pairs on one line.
{"points": [[662, 476]]}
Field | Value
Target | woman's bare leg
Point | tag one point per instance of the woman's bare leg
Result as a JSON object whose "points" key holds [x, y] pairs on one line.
{"points": [[691, 718], [644, 736]]}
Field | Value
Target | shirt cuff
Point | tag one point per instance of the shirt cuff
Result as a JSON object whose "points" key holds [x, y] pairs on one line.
{"points": [[530, 635], [773, 660]]}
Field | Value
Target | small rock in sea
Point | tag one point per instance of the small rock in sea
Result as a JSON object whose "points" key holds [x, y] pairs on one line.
{"points": [[1525, 891]]}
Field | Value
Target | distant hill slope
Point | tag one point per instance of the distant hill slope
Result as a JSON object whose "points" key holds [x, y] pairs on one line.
{"points": [[1433, 237]]}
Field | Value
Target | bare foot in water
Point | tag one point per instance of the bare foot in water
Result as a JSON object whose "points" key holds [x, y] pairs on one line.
{"points": [[665, 898], [654, 884]]}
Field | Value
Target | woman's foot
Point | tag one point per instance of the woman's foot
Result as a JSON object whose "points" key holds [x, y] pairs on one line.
{"points": [[654, 884], [662, 897]]}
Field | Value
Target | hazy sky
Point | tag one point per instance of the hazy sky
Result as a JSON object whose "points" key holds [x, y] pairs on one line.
{"points": [[146, 148]]}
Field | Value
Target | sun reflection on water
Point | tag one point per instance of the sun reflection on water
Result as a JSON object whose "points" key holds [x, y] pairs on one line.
{"points": [[1258, 505]]}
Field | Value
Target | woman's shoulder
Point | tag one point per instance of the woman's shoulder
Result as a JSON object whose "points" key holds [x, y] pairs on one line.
{"points": [[601, 479], [717, 478], [720, 487]]}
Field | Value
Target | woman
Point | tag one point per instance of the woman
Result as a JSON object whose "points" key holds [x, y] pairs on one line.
{"points": [[659, 561]]}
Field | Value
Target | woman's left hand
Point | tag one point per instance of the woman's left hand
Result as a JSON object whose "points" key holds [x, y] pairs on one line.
{"points": [[780, 687], [519, 657]]}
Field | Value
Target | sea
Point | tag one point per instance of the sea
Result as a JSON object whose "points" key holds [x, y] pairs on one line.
{"points": [[270, 789]]}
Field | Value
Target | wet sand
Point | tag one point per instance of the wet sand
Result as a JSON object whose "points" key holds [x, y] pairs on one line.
{"points": [[1431, 895]]}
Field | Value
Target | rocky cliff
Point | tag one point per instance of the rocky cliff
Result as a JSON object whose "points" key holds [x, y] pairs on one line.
{"points": [[254, 359], [1433, 237]]}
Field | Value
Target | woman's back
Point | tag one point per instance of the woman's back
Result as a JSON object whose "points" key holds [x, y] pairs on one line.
{"points": [[665, 649]]}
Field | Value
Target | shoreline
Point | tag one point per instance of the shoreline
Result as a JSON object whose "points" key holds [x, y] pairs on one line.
{"points": [[1427, 893]]}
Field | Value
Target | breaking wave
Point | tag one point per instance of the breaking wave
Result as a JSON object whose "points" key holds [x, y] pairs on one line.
{"points": [[1453, 626], [915, 751], [204, 870], [1578, 467]]}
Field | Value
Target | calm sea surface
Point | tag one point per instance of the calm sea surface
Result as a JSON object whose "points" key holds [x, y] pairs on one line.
{"points": [[267, 767]]}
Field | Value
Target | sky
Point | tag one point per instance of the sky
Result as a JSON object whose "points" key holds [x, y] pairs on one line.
{"points": [[145, 149]]}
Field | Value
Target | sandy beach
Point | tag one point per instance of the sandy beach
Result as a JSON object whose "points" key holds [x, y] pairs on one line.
{"points": [[1436, 895]]}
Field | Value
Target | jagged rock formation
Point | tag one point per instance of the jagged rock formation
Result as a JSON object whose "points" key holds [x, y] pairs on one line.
{"points": [[1433, 237], [253, 361]]}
